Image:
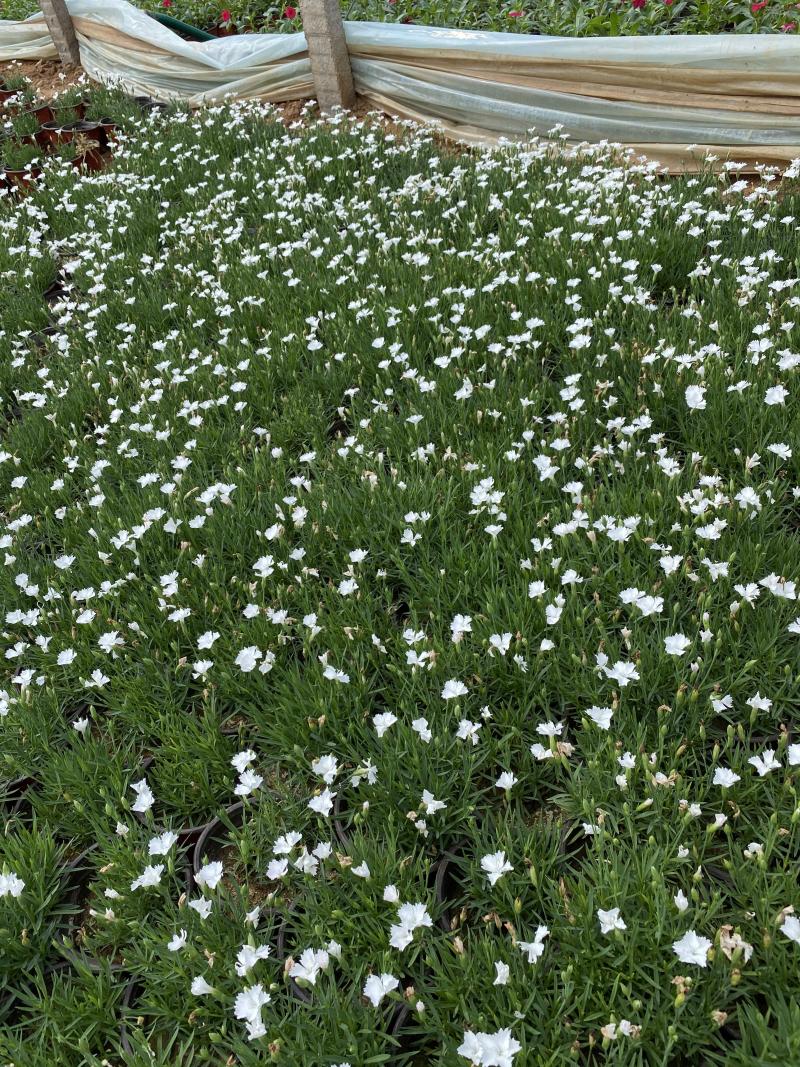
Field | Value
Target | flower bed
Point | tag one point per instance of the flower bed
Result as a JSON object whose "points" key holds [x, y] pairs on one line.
{"points": [[399, 594]]}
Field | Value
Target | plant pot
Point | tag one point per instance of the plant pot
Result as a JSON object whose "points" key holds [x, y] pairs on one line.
{"points": [[16, 795], [54, 293], [298, 992], [43, 113], [108, 130], [78, 874], [212, 833], [92, 161], [54, 133], [133, 991], [147, 103], [422, 1047], [84, 126], [445, 882], [22, 179]]}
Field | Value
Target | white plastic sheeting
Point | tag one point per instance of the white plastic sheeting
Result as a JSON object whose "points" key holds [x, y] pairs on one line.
{"points": [[737, 95]]}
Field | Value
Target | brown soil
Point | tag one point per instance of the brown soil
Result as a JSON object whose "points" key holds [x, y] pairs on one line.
{"points": [[47, 76]]}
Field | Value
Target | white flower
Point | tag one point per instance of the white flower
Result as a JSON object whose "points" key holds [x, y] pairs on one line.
{"points": [[383, 721], [377, 986], [681, 901], [109, 641], [622, 673], [534, 949], [489, 1050], [676, 644], [506, 781], [248, 1004], [695, 397], [765, 763], [209, 876], [249, 956], [361, 871], [178, 941], [150, 876], [420, 727], [453, 689], [277, 869], [502, 972], [326, 768], [600, 716], [725, 777], [248, 658], [430, 803], [200, 987], [322, 803], [202, 906], [610, 921], [495, 865], [144, 796], [775, 395], [161, 845], [791, 928], [11, 885], [692, 948], [248, 782], [311, 963], [207, 639]]}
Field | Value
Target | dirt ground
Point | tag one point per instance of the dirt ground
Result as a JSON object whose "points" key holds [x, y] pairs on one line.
{"points": [[47, 76]]}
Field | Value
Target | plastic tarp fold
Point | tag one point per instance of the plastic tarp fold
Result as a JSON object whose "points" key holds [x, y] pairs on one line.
{"points": [[673, 98]]}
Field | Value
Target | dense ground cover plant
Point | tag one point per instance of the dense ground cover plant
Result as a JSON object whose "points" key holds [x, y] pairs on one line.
{"points": [[565, 17], [431, 522]]}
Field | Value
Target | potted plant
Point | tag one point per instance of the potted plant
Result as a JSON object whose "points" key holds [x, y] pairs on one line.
{"points": [[11, 85], [21, 162], [24, 128], [71, 100], [58, 130]]}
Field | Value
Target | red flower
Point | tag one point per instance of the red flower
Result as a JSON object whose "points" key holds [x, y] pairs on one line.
{"points": [[755, 8], [290, 12], [166, 3], [638, 3], [225, 16], [787, 27], [515, 14]]}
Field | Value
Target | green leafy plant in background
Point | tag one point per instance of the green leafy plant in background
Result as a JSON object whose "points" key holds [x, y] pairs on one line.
{"points": [[573, 18]]}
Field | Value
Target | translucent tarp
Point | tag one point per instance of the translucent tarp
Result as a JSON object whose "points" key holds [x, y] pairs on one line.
{"points": [[673, 98]]}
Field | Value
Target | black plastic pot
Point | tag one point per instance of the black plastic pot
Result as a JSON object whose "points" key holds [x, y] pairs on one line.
{"points": [[78, 875], [445, 884], [338, 823], [280, 946], [18, 796], [212, 833], [54, 293], [108, 130], [406, 1045], [132, 991]]}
